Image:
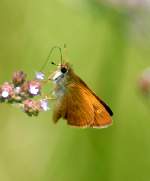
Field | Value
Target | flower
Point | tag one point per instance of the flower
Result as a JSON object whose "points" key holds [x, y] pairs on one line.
{"points": [[17, 90], [34, 87], [39, 76], [22, 93], [31, 107], [44, 105], [31, 88], [6, 90], [18, 78], [5, 94]]}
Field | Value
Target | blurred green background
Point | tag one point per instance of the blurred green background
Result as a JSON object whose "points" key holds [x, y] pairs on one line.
{"points": [[108, 44]]}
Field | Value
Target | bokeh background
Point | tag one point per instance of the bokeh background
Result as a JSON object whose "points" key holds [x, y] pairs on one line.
{"points": [[108, 45]]}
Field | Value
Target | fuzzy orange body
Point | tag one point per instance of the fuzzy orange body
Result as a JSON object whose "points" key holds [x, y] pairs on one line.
{"points": [[76, 102]]}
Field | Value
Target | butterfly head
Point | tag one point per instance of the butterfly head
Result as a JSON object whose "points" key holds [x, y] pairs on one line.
{"points": [[61, 74]]}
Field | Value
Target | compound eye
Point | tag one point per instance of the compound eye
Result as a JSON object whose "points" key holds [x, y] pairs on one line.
{"points": [[63, 70]]}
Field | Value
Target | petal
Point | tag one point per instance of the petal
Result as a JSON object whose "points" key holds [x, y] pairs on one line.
{"points": [[5, 94], [39, 76]]}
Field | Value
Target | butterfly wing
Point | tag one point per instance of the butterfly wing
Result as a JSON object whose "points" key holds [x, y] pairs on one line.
{"points": [[80, 111], [79, 105], [85, 109], [82, 108], [73, 107]]}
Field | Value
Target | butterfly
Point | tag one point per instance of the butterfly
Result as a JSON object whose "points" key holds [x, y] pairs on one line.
{"points": [[76, 102]]}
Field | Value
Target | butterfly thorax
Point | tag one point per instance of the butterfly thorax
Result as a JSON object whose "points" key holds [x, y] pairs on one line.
{"points": [[62, 81], [59, 91]]}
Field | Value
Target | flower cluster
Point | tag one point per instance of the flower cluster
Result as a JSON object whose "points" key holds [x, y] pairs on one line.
{"points": [[21, 91], [33, 107]]}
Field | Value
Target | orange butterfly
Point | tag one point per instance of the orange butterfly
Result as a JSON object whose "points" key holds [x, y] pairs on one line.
{"points": [[76, 102]]}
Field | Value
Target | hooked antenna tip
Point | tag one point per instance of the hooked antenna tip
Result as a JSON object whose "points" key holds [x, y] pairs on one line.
{"points": [[53, 63]]}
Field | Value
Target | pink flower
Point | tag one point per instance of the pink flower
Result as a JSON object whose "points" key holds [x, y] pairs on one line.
{"points": [[31, 107], [34, 87], [6, 90]]}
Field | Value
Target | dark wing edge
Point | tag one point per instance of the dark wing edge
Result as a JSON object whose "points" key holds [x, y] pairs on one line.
{"points": [[102, 102]]}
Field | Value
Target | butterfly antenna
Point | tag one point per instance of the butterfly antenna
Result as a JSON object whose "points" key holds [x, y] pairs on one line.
{"points": [[65, 48], [53, 63], [49, 55]]}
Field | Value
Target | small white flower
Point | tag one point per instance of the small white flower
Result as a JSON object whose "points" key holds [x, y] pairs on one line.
{"points": [[39, 76], [17, 90], [33, 90], [44, 105], [5, 94]]}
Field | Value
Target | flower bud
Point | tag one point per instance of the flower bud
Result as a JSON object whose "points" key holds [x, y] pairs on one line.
{"points": [[18, 78]]}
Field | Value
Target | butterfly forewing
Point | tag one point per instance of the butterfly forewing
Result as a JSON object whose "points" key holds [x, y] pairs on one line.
{"points": [[85, 110], [81, 108]]}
